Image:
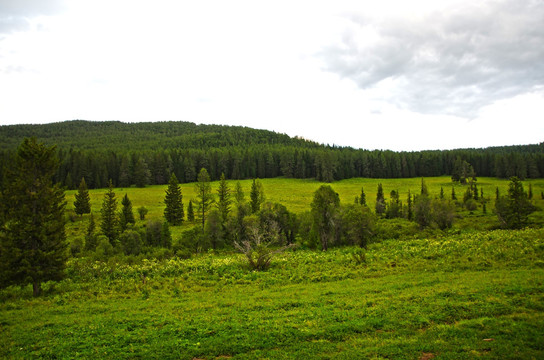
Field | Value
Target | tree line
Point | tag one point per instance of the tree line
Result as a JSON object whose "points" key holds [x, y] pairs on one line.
{"points": [[147, 153], [34, 248]]}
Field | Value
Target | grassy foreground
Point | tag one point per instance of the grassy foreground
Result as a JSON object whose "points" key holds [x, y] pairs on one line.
{"points": [[458, 297]]}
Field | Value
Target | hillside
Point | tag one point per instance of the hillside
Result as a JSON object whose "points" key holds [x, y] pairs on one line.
{"points": [[147, 153], [119, 136]]}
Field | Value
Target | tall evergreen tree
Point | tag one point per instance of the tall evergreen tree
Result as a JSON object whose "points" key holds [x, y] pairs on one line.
{"points": [[410, 212], [190, 212], [90, 236], [239, 194], [513, 210], [82, 205], [109, 225], [223, 198], [173, 213], [424, 189], [32, 238], [453, 196], [256, 195], [380, 200], [362, 199], [204, 195], [127, 216]]}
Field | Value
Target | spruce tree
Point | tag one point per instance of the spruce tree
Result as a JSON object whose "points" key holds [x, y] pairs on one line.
{"points": [[204, 195], [82, 205], [109, 225], [424, 189], [239, 194], [441, 192], [223, 198], [90, 236], [32, 238], [190, 212], [256, 195], [410, 213], [127, 216], [173, 213], [453, 196], [362, 198], [380, 200]]}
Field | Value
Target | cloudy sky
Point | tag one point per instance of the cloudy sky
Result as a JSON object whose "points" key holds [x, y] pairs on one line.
{"points": [[400, 75]]}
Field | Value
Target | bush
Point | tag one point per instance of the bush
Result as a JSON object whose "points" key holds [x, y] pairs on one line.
{"points": [[104, 249], [131, 242]]}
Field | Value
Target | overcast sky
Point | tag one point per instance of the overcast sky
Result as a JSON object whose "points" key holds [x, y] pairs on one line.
{"points": [[400, 75]]}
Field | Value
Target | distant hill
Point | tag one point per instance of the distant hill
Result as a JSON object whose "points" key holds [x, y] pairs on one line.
{"points": [[116, 135], [147, 153]]}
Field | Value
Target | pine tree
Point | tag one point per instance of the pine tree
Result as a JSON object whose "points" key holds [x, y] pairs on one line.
{"points": [[173, 213], [190, 212], [424, 189], [441, 192], [109, 215], [410, 213], [513, 210], [453, 196], [32, 238], [127, 216], [256, 195], [530, 194], [380, 200], [82, 205], [90, 236], [204, 195], [239, 194], [362, 198], [224, 201]]}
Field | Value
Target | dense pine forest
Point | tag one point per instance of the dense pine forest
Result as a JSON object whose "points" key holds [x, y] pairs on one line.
{"points": [[147, 153]]}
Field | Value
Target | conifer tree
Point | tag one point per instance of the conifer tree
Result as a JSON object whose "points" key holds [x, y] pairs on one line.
{"points": [[90, 236], [110, 221], [223, 198], [424, 189], [441, 192], [173, 213], [380, 200], [256, 195], [82, 205], [453, 196], [127, 216], [530, 194], [239, 194], [190, 212], [410, 213], [362, 198], [32, 237], [204, 195], [513, 210]]}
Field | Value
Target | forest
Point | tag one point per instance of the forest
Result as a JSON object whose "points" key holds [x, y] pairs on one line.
{"points": [[147, 153], [122, 244]]}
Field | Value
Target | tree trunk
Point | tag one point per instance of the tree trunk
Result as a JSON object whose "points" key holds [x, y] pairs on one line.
{"points": [[36, 288]]}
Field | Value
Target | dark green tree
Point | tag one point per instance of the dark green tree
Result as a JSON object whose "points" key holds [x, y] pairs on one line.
{"points": [[82, 205], [173, 213], [513, 210], [142, 174], [204, 195], [424, 189], [223, 198], [126, 216], [110, 221], [362, 198], [410, 207], [214, 229], [257, 196], [380, 201], [190, 212], [530, 194], [453, 196], [90, 236], [422, 211], [325, 206], [358, 225], [142, 211], [32, 238]]}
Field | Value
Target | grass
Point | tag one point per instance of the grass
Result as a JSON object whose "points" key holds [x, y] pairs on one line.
{"points": [[454, 297], [297, 194]]}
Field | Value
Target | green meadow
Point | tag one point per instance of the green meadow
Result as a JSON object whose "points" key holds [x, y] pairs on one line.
{"points": [[472, 292]]}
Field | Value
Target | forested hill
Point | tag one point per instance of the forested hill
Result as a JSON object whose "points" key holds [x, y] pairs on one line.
{"points": [[147, 153], [116, 136]]}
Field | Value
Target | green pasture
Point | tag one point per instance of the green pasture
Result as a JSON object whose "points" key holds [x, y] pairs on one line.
{"points": [[297, 194], [467, 296]]}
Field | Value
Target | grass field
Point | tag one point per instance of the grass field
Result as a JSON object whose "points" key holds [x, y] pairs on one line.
{"points": [[457, 297], [297, 194]]}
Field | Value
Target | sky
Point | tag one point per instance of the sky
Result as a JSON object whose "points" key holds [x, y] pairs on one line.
{"points": [[397, 75]]}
